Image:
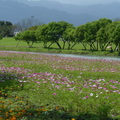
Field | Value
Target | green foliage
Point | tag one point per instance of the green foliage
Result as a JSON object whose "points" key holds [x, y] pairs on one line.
{"points": [[41, 34], [52, 32], [28, 36], [103, 22], [69, 37], [33, 28], [5, 23], [6, 28], [116, 37], [0, 36], [55, 32], [104, 111], [97, 35], [18, 36], [79, 33], [103, 39]]}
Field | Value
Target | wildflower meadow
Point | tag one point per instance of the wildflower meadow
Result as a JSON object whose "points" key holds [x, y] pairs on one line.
{"points": [[49, 87]]}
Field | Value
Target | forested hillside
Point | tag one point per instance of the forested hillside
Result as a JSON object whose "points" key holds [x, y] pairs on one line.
{"points": [[49, 11]]}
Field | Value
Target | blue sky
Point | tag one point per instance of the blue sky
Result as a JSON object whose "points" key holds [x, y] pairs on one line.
{"points": [[85, 2]]}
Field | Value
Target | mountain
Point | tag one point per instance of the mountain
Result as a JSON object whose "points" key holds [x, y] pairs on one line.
{"points": [[110, 10], [48, 11], [14, 11]]}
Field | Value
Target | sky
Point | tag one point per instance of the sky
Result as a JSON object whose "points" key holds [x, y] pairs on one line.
{"points": [[85, 2]]}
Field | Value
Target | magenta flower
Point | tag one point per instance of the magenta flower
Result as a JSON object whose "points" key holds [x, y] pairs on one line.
{"points": [[54, 93], [85, 86], [38, 82], [87, 97]]}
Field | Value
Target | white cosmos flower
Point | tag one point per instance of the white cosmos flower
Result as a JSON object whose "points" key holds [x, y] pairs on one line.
{"points": [[96, 96], [91, 94]]}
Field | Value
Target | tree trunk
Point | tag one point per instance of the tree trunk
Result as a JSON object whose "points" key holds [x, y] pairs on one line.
{"points": [[45, 44], [119, 47], [97, 45], [69, 45], [84, 45], [28, 43], [18, 43], [94, 47], [31, 44], [50, 45], [73, 45], [107, 44], [104, 45], [91, 46], [64, 44], [58, 44]]}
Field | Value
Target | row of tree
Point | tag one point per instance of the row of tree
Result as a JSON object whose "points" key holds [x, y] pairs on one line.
{"points": [[94, 35]]}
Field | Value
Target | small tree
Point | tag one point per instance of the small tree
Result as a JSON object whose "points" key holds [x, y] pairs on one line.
{"points": [[103, 38], [90, 35], [49, 33], [65, 27], [28, 36], [41, 34], [80, 35], [18, 38], [69, 36], [52, 32]]}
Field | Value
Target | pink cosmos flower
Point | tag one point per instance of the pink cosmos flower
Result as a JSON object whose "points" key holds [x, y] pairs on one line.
{"points": [[87, 97], [54, 93]]}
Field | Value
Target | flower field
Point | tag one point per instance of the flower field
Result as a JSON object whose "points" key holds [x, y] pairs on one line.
{"points": [[47, 87]]}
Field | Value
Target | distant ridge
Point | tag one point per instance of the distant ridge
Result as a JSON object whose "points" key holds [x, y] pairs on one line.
{"points": [[14, 11]]}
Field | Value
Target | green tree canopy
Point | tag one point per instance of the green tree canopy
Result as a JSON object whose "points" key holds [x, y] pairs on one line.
{"points": [[80, 35], [69, 37], [52, 32], [116, 37], [28, 36], [103, 38], [42, 34], [6, 28], [91, 30]]}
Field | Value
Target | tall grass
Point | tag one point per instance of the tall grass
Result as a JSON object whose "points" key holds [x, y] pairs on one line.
{"points": [[58, 88]]}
